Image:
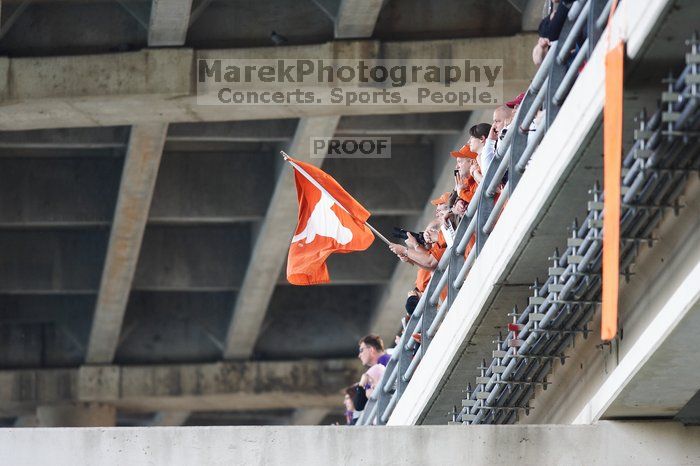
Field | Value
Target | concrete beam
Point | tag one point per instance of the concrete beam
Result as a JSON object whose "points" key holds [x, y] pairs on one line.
{"points": [[63, 138], [116, 137], [690, 413], [136, 190], [308, 416], [170, 418], [283, 130], [234, 131], [417, 123], [386, 316], [29, 420], [357, 18], [12, 17], [87, 414], [601, 444], [159, 85], [532, 15], [196, 387], [271, 245], [169, 22]]}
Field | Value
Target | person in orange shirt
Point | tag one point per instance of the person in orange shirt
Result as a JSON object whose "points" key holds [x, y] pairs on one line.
{"points": [[465, 184], [426, 258], [444, 213], [442, 204]]}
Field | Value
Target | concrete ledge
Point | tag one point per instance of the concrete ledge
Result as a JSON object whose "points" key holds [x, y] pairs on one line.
{"points": [[608, 443]]}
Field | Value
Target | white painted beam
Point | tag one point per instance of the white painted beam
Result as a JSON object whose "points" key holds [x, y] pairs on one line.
{"points": [[272, 244], [131, 213]]}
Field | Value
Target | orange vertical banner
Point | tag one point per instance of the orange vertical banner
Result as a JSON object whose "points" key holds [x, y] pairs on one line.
{"points": [[612, 172]]}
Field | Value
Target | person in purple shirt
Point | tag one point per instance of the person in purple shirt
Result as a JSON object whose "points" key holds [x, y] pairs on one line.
{"points": [[384, 359], [371, 351]]}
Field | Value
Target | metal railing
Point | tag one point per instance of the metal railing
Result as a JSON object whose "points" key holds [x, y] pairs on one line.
{"points": [[548, 91], [665, 153]]}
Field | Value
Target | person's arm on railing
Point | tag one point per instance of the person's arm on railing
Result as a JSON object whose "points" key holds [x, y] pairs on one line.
{"points": [[417, 254]]}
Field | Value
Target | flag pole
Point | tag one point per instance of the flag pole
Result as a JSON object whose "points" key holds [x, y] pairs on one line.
{"points": [[374, 230]]}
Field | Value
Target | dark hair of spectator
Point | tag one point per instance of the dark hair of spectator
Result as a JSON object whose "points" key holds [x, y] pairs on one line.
{"points": [[375, 341], [411, 304], [350, 391], [453, 199], [480, 131]]}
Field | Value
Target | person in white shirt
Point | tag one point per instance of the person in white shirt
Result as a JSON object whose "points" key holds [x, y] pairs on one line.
{"points": [[478, 135]]}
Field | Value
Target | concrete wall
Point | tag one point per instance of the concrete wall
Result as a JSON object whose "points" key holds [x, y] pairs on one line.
{"points": [[608, 443]]}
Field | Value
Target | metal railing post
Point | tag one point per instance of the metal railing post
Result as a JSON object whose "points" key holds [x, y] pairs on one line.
{"points": [[559, 68], [484, 208], [518, 144], [430, 309], [456, 262], [593, 31], [385, 395]]}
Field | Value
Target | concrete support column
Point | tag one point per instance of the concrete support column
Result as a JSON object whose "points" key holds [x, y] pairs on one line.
{"points": [[77, 415], [27, 421]]}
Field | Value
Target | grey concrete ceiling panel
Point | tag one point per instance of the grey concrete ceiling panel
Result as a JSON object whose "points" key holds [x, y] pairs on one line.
{"points": [[59, 192], [212, 187], [395, 186], [173, 327], [205, 257], [44, 331], [315, 321], [52, 260]]}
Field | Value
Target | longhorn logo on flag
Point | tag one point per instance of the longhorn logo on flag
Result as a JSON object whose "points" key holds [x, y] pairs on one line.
{"points": [[330, 221]]}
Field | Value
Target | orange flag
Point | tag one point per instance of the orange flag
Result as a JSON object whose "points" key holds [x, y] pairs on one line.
{"points": [[330, 220], [612, 172]]}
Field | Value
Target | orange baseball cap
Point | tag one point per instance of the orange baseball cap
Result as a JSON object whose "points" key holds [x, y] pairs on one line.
{"points": [[463, 152], [442, 199]]}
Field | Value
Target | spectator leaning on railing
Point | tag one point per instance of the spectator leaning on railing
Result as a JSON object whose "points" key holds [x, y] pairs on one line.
{"points": [[371, 351], [351, 414], [473, 160], [477, 141], [465, 184]]}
